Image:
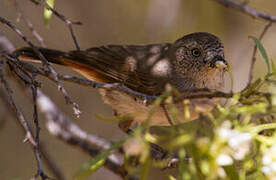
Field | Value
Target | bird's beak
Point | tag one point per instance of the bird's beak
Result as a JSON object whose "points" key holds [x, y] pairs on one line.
{"points": [[221, 63]]}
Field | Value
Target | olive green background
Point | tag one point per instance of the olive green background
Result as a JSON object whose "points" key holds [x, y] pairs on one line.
{"points": [[116, 22]]}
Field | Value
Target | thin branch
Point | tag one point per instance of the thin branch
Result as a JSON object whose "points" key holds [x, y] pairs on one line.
{"points": [[7, 46], [62, 127], [50, 163], [35, 117], [20, 116], [253, 60], [46, 157], [29, 24], [45, 63], [242, 6], [68, 22]]}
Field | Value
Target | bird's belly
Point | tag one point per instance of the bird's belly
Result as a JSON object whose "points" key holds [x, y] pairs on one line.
{"points": [[125, 104]]}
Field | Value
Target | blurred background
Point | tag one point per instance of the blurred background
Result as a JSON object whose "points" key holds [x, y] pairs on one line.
{"points": [[117, 22]]}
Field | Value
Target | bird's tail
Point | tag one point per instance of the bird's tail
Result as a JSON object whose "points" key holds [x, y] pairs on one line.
{"points": [[78, 64], [28, 54]]}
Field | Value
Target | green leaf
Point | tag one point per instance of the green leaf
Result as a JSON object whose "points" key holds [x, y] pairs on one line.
{"points": [[262, 51], [97, 162], [254, 108], [171, 177], [179, 141], [48, 13], [259, 128]]}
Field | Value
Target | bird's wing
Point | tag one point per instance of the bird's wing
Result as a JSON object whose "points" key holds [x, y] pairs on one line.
{"points": [[140, 68], [133, 66]]}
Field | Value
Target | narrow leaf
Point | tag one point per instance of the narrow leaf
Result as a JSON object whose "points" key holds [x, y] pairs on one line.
{"points": [[171, 177], [97, 162], [48, 13], [262, 51], [118, 118], [262, 127]]}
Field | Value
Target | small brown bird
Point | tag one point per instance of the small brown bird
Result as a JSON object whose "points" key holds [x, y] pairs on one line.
{"points": [[194, 61]]}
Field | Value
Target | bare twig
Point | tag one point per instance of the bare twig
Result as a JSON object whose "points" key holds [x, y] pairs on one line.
{"points": [[20, 116], [50, 162], [7, 46], [253, 60], [46, 157], [64, 19], [241, 6], [35, 117], [29, 24], [45, 63], [70, 132], [61, 126]]}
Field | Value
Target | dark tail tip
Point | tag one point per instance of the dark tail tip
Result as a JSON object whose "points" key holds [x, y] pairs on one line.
{"points": [[25, 51], [50, 54]]}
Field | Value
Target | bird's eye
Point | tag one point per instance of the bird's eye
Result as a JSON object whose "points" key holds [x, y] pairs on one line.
{"points": [[196, 52]]}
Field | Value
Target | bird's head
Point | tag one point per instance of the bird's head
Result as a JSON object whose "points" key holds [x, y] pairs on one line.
{"points": [[200, 57]]}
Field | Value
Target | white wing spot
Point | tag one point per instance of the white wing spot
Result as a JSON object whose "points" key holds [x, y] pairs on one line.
{"points": [[130, 64], [161, 68]]}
